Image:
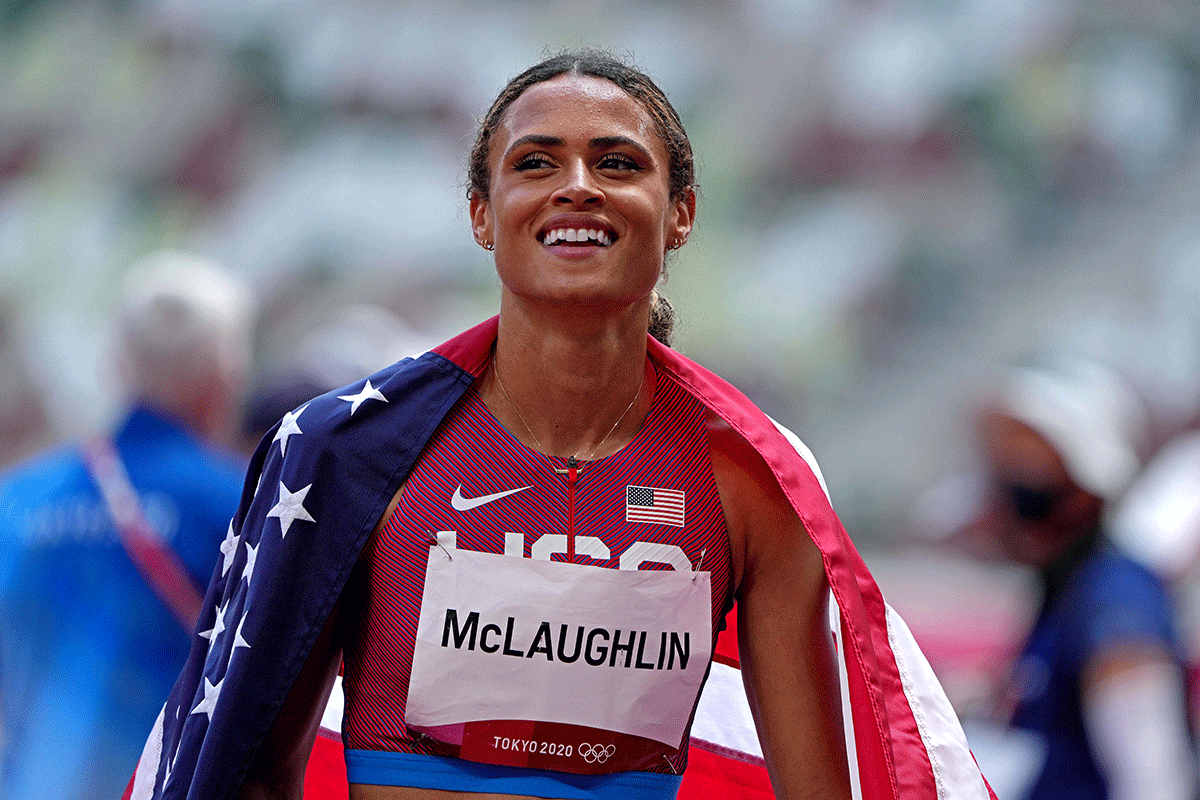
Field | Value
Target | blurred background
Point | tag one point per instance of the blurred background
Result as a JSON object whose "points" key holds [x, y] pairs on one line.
{"points": [[898, 197]]}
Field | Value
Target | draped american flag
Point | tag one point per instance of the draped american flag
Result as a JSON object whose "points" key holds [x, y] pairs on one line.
{"points": [[323, 477]]}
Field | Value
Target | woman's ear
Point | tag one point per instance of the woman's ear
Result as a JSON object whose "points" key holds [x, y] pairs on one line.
{"points": [[683, 216], [481, 220]]}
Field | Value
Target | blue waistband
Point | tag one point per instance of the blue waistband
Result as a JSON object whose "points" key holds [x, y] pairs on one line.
{"points": [[379, 768]]}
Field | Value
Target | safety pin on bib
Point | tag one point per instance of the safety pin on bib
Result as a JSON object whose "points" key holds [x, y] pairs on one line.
{"points": [[434, 540]]}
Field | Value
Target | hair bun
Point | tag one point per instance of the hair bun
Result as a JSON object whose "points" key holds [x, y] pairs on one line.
{"points": [[662, 318]]}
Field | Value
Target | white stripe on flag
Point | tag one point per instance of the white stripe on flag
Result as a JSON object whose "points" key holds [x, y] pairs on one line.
{"points": [[955, 772], [331, 718], [146, 771], [835, 629], [723, 715]]}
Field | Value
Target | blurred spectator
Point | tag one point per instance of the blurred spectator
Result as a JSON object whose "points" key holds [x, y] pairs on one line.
{"points": [[1159, 521], [272, 396], [1100, 679], [91, 637], [353, 341], [24, 424], [357, 340]]}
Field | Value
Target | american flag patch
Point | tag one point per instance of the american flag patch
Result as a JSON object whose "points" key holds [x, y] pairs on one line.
{"points": [[657, 506]]}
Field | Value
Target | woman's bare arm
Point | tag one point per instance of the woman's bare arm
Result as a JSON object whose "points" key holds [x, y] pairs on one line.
{"points": [[784, 643]]}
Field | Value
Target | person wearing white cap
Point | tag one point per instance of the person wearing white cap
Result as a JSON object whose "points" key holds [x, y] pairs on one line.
{"points": [[1100, 679], [103, 547]]}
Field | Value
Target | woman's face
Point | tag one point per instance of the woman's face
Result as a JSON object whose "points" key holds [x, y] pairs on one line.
{"points": [[579, 208]]}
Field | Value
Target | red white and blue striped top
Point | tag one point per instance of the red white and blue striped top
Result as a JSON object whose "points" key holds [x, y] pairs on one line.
{"points": [[472, 456]]}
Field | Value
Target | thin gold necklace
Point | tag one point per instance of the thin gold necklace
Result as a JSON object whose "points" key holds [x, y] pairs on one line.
{"points": [[571, 460]]}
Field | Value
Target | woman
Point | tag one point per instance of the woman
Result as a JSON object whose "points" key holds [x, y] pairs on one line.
{"points": [[547, 518]]}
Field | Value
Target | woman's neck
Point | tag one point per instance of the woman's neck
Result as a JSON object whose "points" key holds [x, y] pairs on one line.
{"points": [[569, 386]]}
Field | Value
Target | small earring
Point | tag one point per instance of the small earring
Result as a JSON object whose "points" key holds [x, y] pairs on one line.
{"points": [[487, 245], [676, 244]]}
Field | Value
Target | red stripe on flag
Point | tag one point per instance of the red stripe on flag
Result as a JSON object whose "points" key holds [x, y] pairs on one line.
{"points": [[726, 651], [467, 349], [325, 778], [711, 776]]}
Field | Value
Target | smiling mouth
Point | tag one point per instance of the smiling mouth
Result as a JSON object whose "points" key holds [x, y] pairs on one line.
{"points": [[577, 237]]}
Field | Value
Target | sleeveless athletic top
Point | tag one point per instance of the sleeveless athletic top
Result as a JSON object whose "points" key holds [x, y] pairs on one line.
{"points": [[651, 506]]}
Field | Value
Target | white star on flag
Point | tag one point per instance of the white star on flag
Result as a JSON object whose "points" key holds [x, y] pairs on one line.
{"points": [[251, 557], [211, 692], [290, 508], [238, 641], [367, 393], [229, 549], [288, 427], [170, 769], [218, 627]]}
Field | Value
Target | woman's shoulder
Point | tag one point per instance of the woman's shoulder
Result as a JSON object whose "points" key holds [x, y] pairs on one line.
{"points": [[742, 469], [762, 519]]}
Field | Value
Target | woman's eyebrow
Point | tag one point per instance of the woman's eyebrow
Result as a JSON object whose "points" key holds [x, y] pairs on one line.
{"points": [[598, 143], [607, 142], [535, 138]]}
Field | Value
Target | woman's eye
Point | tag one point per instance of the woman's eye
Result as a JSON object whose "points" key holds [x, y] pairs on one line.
{"points": [[532, 161], [618, 162]]}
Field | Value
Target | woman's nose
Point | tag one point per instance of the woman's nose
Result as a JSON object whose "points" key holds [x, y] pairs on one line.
{"points": [[578, 187]]}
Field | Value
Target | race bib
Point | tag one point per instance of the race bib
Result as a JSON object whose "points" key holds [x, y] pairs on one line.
{"points": [[570, 667]]}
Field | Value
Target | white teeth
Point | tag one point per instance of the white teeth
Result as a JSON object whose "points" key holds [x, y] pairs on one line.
{"points": [[577, 235]]}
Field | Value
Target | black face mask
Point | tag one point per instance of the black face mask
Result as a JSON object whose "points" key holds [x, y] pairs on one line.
{"points": [[1032, 504]]}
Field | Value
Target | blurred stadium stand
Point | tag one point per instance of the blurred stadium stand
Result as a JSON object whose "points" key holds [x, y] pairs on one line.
{"points": [[896, 196]]}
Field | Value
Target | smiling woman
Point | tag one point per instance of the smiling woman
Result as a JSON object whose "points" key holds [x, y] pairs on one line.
{"points": [[578, 200], [552, 482]]}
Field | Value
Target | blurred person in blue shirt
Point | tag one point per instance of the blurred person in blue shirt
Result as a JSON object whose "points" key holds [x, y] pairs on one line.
{"points": [[1099, 684], [90, 641]]}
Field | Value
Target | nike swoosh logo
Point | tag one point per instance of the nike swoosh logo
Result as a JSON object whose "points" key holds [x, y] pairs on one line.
{"points": [[461, 503]]}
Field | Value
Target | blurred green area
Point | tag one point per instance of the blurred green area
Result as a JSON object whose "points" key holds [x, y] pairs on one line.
{"points": [[896, 198]]}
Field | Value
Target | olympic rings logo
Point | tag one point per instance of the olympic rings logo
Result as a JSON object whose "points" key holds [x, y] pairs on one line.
{"points": [[596, 753]]}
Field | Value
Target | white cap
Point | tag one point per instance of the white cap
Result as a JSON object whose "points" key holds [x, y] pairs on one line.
{"points": [[1088, 413]]}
